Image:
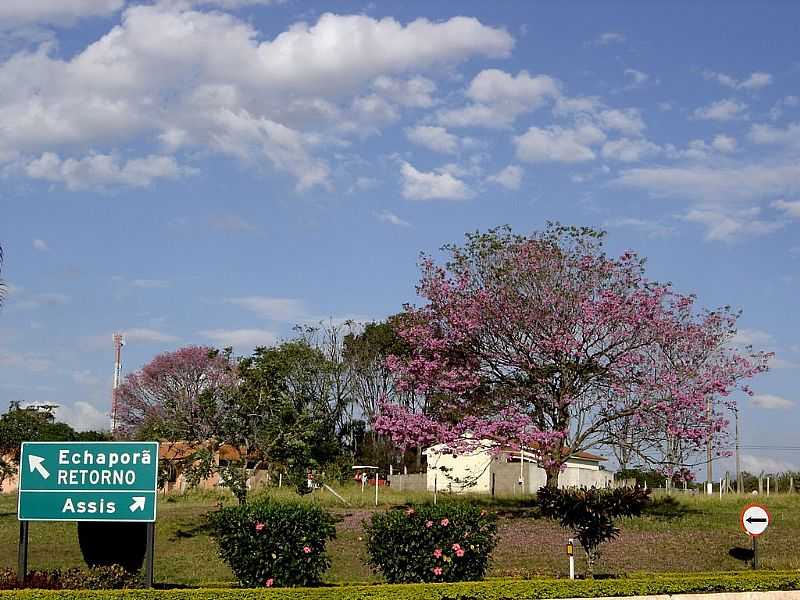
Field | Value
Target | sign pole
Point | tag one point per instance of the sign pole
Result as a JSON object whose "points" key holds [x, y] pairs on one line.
{"points": [[22, 553], [755, 551], [148, 557]]}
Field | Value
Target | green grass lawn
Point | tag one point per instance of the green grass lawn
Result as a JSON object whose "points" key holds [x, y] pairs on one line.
{"points": [[694, 535]]}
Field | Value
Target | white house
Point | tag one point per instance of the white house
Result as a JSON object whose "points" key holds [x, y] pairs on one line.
{"points": [[486, 471]]}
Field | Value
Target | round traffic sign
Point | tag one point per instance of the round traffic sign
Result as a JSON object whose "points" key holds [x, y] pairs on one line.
{"points": [[755, 519]]}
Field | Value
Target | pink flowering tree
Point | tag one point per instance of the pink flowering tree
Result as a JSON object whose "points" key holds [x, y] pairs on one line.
{"points": [[177, 396], [545, 341]]}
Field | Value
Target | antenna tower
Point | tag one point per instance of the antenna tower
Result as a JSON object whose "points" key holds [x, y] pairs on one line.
{"points": [[119, 342]]}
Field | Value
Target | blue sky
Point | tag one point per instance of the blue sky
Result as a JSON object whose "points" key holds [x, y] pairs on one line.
{"points": [[214, 171]]}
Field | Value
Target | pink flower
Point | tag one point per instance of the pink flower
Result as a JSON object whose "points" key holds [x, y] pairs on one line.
{"points": [[445, 522], [456, 547], [307, 549], [269, 582], [437, 571], [459, 553], [260, 526], [428, 524], [437, 553], [410, 512]]}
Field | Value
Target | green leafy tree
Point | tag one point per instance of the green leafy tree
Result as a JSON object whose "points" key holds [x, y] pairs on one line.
{"points": [[33, 424], [285, 412], [590, 514]]}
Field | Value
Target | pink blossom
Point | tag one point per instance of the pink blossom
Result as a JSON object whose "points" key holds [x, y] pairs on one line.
{"points": [[445, 522], [269, 582], [260, 526], [437, 553], [307, 549], [410, 512], [428, 524], [437, 571], [456, 547], [460, 552]]}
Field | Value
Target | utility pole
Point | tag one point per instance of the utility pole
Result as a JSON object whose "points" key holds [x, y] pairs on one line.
{"points": [[119, 342], [738, 466]]}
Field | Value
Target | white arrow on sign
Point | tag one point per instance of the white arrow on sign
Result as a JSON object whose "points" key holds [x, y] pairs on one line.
{"points": [[138, 503], [755, 519], [35, 464]]}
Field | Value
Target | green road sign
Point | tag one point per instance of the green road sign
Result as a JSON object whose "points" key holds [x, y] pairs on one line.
{"points": [[88, 481]]}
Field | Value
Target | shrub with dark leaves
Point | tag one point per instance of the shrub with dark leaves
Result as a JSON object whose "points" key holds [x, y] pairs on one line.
{"points": [[268, 543], [423, 543], [112, 577], [590, 513]]}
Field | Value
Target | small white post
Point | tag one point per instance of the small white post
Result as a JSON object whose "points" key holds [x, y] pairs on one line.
{"points": [[280, 479], [435, 485], [363, 483], [405, 470], [720, 489], [571, 560], [767, 485], [391, 470], [376, 488]]}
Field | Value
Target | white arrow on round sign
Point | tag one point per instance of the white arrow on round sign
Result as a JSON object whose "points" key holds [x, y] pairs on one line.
{"points": [[755, 519]]}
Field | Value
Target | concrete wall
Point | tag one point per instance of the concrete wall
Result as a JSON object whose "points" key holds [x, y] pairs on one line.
{"points": [[413, 482], [465, 473]]}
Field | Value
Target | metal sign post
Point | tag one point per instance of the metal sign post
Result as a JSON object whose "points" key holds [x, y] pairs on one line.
{"points": [[755, 519], [571, 554], [87, 481]]}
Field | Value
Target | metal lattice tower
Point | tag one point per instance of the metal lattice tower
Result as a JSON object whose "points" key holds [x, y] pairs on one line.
{"points": [[119, 342]]}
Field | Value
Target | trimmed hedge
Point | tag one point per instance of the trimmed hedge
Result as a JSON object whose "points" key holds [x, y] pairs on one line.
{"points": [[497, 589]]}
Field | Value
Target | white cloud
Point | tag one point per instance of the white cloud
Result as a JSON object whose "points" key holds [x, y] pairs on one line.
{"points": [[241, 338], [652, 229], [144, 335], [437, 139], [85, 377], [233, 4], [635, 78], [27, 301], [726, 224], [391, 218], [722, 110], [755, 81], [557, 144], [27, 362], [792, 209], [82, 416], [275, 101], [771, 401], [724, 143], [611, 37], [630, 150], [757, 464], [509, 177], [741, 183], [40, 245], [766, 134], [101, 170], [752, 337], [58, 12], [230, 223], [287, 310], [499, 98], [419, 185], [416, 92], [149, 283], [492, 86]]}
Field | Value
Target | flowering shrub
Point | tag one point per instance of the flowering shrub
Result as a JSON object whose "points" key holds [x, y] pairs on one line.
{"points": [[112, 577], [272, 544], [444, 542]]}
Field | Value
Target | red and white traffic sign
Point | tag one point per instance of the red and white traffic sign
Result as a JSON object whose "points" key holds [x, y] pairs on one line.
{"points": [[755, 519]]}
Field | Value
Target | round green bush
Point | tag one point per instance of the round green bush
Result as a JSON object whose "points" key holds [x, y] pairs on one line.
{"points": [[426, 542], [269, 543]]}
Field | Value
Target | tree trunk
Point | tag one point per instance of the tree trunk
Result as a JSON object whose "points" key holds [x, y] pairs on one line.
{"points": [[552, 476]]}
